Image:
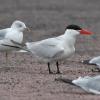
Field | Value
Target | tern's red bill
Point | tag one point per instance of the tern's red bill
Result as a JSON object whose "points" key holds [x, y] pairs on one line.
{"points": [[85, 32]]}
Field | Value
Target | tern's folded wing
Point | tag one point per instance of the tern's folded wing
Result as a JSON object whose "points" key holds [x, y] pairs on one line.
{"points": [[45, 50]]}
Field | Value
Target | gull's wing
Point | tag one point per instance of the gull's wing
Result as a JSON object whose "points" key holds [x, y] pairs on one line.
{"points": [[46, 48], [3, 33], [90, 84], [95, 60], [94, 83]]}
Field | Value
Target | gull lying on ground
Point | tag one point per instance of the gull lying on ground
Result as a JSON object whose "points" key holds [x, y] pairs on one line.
{"points": [[15, 32], [93, 61], [57, 48], [87, 83]]}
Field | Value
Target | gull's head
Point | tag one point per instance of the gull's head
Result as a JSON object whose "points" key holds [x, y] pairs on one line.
{"points": [[18, 25], [76, 30]]}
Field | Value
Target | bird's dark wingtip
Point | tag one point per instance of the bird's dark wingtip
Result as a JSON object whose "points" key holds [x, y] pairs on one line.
{"points": [[86, 62], [69, 81]]}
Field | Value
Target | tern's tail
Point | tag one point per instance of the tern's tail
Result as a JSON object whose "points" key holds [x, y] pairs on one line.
{"points": [[69, 81]]}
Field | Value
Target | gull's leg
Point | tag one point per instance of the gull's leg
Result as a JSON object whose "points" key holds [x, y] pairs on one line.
{"points": [[58, 71], [6, 55], [50, 72]]}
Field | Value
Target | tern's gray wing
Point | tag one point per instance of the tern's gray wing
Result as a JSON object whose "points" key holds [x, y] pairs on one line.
{"points": [[3, 33], [46, 49]]}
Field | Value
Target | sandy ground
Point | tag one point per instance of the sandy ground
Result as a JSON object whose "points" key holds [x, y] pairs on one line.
{"points": [[26, 79], [23, 77]]}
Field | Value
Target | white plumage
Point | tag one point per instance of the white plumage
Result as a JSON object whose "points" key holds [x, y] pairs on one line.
{"points": [[15, 32], [57, 48]]}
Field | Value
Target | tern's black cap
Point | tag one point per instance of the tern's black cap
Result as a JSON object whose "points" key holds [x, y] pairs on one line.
{"points": [[74, 27]]}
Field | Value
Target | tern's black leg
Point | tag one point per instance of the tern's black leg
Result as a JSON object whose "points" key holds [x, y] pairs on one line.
{"points": [[58, 71], [50, 72]]}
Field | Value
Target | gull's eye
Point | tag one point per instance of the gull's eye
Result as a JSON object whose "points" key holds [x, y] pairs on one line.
{"points": [[20, 25]]}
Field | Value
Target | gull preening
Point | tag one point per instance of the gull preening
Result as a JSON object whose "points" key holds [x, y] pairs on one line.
{"points": [[87, 83], [94, 61], [57, 48], [15, 32]]}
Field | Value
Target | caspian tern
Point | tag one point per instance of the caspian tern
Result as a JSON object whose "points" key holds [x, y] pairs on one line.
{"points": [[94, 61], [87, 83], [15, 32], [57, 48]]}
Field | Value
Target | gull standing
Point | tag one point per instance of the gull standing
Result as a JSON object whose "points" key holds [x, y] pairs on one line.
{"points": [[57, 48], [15, 32], [87, 83]]}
